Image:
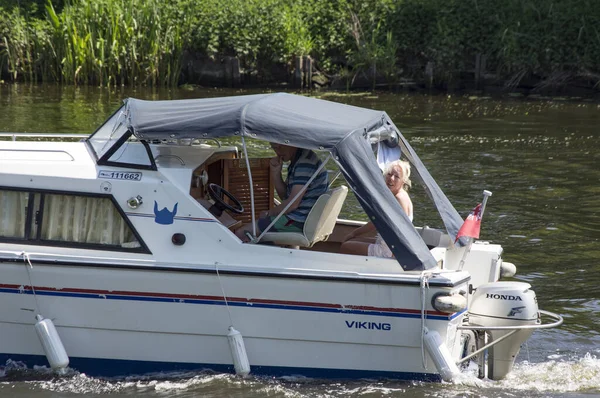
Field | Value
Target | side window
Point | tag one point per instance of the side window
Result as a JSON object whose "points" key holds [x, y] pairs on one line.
{"points": [[76, 219], [84, 219], [13, 211]]}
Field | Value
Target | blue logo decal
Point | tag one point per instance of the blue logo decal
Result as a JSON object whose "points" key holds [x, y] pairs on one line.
{"points": [[164, 216], [515, 310], [368, 325]]}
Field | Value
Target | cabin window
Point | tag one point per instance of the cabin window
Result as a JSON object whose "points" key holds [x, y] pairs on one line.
{"points": [[84, 219], [13, 213], [65, 219]]}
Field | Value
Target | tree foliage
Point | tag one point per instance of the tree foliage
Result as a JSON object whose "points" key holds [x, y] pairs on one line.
{"points": [[143, 41]]}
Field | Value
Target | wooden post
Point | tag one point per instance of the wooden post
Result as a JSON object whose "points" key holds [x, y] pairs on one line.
{"points": [[307, 81], [477, 71], [236, 78], [232, 72], [297, 72], [228, 72], [480, 60], [429, 75]]}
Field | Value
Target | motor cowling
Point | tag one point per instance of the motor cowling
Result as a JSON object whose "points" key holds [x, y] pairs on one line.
{"points": [[504, 304]]}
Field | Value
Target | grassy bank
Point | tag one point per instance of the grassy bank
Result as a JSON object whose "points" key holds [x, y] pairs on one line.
{"points": [[107, 42]]}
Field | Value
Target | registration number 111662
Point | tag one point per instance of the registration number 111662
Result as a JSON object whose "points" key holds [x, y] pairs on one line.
{"points": [[120, 175]]}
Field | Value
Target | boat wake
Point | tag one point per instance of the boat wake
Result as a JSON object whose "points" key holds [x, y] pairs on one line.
{"points": [[557, 375]]}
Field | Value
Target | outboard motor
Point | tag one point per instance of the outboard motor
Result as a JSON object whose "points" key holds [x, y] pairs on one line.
{"points": [[504, 304]]}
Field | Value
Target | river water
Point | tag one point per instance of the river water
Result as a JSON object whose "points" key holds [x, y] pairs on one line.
{"points": [[539, 156]]}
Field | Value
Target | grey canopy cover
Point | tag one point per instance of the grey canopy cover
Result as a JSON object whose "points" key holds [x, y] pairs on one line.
{"points": [[306, 123]]}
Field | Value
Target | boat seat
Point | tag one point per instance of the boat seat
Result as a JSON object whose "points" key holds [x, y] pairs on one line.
{"points": [[318, 225], [435, 238]]}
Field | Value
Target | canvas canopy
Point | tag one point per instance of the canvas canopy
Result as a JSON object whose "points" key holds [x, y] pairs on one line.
{"points": [[305, 123]]}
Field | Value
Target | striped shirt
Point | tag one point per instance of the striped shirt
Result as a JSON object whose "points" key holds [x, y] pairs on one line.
{"points": [[301, 169]]}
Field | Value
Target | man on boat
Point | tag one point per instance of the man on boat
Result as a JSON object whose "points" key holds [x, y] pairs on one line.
{"points": [[303, 164]]}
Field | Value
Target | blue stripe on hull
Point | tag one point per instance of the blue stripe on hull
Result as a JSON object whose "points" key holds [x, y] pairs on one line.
{"points": [[119, 367], [345, 311]]}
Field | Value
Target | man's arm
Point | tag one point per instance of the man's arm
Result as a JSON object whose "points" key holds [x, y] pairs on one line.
{"points": [[277, 209], [280, 188]]}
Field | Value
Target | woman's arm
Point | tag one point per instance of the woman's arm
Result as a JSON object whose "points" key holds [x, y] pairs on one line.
{"points": [[405, 202], [363, 230]]}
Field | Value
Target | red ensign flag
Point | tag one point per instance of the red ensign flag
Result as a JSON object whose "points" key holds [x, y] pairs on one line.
{"points": [[472, 224]]}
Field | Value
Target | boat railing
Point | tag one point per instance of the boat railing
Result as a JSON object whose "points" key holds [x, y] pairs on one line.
{"points": [[185, 141], [512, 329], [29, 136], [43, 136]]}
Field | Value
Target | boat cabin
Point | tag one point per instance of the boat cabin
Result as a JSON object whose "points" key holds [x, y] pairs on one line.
{"points": [[93, 194]]}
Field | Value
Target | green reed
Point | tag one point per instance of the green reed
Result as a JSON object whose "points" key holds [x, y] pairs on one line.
{"points": [[104, 42], [110, 42], [143, 42]]}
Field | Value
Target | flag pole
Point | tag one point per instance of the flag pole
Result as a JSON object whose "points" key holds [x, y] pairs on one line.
{"points": [[486, 195]]}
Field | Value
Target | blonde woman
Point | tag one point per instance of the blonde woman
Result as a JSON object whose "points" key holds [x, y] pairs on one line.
{"points": [[397, 178]]}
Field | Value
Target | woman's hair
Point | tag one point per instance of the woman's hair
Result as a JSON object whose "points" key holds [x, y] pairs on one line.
{"points": [[404, 167]]}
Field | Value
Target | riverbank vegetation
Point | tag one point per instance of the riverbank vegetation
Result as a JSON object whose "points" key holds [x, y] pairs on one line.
{"points": [[153, 42]]}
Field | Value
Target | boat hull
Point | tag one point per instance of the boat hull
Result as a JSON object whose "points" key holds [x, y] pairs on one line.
{"points": [[117, 322]]}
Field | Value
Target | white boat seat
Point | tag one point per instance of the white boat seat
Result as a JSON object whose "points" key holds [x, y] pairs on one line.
{"points": [[435, 238], [318, 225]]}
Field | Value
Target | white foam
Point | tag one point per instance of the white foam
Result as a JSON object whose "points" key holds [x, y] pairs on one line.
{"points": [[556, 375]]}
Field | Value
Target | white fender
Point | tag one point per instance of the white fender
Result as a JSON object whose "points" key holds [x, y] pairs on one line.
{"points": [[440, 355], [51, 343], [449, 303], [238, 352], [507, 269]]}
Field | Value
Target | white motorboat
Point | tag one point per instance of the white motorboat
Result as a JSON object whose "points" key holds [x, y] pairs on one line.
{"points": [[117, 255]]}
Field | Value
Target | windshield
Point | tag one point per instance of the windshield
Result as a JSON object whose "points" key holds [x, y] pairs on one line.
{"points": [[109, 133]]}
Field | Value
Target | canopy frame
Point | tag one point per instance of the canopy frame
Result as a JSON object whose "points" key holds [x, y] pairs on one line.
{"points": [[343, 130]]}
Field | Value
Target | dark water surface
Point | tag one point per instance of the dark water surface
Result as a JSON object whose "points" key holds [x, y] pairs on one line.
{"points": [[539, 156]]}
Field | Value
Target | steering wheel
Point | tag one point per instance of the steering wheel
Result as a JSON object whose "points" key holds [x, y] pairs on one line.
{"points": [[216, 192]]}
